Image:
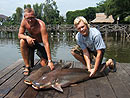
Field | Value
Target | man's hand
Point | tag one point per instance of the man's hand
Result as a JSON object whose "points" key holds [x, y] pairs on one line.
{"points": [[50, 64], [92, 72], [30, 41]]}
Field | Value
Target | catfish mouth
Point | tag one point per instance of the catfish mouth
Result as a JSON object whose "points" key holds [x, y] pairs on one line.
{"points": [[29, 82], [35, 87], [38, 86]]}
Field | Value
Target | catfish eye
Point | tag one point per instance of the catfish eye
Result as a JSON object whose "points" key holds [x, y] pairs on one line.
{"points": [[43, 77]]}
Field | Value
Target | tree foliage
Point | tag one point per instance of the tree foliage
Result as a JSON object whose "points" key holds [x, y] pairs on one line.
{"points": [[19, 12], [38, 9], [117, 8], [9, 22], [127, 19], [27, 6], [51, 12], [47, 11], [15, 19], [100, 7], [88, 13]]}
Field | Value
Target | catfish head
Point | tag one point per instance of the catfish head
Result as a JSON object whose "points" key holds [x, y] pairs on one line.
{"points": [[48, 82]]}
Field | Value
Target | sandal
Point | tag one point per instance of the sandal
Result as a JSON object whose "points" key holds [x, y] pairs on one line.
{"points": [[113, 68], [26, 71]]}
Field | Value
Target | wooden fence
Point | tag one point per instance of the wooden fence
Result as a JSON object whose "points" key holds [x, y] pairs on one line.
{"points": [[104, 28]]}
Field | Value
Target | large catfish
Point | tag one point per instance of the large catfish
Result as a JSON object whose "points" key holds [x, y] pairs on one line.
{"points": [[43, 70], [61, 78]]}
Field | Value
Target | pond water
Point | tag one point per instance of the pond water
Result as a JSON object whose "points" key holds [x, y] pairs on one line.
{"points": [[61, 44]]}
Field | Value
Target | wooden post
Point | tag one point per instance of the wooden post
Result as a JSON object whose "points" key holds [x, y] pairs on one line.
{"points": [[106, 33], [116, 36], [118, 20]]}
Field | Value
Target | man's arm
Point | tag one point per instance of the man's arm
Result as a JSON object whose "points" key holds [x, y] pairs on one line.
{"points": [[21, 31], [87, 58], [44, 35], [98, 59], [21, 34], [97, 62]]}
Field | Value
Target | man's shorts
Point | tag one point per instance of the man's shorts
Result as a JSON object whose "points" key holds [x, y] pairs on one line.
{"points": [[41, 52], [76, 49]]}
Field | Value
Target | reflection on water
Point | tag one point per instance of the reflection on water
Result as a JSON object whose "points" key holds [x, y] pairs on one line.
{"points": [[61, 43], [118, 48], [9, 49]]}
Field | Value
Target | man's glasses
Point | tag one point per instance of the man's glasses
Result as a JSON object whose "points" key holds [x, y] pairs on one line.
{"points": [[30, 18]]}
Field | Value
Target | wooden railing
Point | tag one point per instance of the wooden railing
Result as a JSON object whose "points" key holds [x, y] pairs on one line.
{"points": [[102, 27]]}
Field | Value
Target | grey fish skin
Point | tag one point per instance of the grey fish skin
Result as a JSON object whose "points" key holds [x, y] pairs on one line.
{"points": [[43, 70], [61, 78]]}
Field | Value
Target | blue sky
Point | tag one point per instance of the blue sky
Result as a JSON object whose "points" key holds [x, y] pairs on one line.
{"points": [[8, 7]]}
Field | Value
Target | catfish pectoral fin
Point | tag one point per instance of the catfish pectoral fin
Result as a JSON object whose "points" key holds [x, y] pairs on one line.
{"points": [[57, 86]]}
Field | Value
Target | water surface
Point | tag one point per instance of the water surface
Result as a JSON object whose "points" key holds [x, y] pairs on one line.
{"points": [[61, 44]]}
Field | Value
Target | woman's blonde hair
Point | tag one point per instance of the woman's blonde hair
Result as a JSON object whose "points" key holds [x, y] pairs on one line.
{"points": [[80, 18]]}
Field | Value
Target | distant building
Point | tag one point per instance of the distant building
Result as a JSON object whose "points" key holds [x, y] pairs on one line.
{"points": [[102, 18], [2, 18]]}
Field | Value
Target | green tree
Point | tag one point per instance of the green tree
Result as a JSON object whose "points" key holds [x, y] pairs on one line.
{"points": [[27, 6], [51, 13], [38, 9], [61, 20], [13, 19], [127, 19], [47, 11], [101, 6], [9, 21], [19, 15], [117, 8], [71, 15], [16, 18], [88, 13]]}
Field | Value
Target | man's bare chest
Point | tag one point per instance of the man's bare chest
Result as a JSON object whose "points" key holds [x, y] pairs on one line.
{"points": [[34, 30]]}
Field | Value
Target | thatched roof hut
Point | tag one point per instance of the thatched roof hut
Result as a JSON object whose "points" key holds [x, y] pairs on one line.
{"points": [[102, 18]]}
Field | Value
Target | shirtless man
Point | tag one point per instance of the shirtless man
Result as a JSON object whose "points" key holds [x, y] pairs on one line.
{"points": [[38, 34]]}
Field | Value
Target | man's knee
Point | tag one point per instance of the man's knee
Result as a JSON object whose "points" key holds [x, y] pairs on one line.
{"points": [[76, 55], [22, 42], [72, 52], [43, 62]]}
